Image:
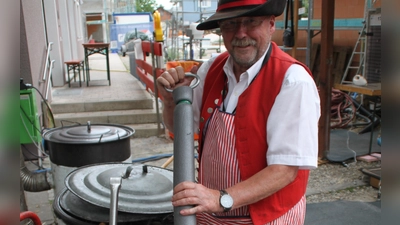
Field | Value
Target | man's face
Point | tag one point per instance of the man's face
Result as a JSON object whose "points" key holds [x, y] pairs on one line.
{"points": [[247, 38]]}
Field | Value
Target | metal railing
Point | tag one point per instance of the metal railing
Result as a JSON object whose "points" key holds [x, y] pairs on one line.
{"points": [[49, 48], [48, 69], [49, 79]]}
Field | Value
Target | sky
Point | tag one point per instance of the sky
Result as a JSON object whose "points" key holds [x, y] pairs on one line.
{"points": [[166, 3]]}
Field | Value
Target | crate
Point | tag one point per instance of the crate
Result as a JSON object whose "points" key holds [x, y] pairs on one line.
{"points": [[374, 176], [29, 119]]}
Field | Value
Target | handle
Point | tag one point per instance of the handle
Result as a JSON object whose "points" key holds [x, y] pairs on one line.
{"points": [[193, 85], [115, 185]]}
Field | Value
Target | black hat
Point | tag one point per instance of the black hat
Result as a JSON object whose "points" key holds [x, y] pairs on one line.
{"points": [[236, 8]]}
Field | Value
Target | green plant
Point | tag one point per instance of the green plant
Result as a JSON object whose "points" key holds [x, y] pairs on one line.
{"points": [[171, 54]]}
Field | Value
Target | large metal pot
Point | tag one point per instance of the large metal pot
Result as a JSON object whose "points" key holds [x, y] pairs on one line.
{"points": [[73, 210], [71, 147], [145, 195], [81, 145]]}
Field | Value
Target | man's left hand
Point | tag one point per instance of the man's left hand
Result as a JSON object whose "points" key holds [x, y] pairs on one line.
{"points": [[201, 198]]}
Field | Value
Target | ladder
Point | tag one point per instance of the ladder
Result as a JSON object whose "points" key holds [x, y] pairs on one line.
{"points": [[359, 49]]}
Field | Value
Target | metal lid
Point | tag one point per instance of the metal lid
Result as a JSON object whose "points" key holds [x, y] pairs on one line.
{"points": [[144, 189], [84, 210], [83, 134]]}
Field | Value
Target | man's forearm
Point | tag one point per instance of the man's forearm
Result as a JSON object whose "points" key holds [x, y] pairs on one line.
{"points": [[263, 184]]}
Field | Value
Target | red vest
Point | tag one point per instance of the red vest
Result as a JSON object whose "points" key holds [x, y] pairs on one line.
{"points": [[254, 106]]}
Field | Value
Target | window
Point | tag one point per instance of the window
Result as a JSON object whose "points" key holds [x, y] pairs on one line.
{"points": [[204, 3]]}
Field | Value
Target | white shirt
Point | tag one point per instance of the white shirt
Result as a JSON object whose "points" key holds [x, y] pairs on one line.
{"points": [[292, 126]]}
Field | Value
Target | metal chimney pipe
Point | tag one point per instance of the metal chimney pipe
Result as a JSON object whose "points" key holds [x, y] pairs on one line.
{"points": [[32, 181], [183, 146]]}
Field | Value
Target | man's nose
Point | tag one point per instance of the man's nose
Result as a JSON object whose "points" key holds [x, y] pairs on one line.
{"points": [[241, 29], [241, 25]]}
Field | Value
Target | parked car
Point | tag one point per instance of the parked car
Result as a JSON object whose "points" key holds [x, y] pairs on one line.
{"points": [[128, 40]]}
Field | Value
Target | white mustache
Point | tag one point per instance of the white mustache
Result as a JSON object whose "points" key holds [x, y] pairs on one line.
{"points": [[243, 42]]}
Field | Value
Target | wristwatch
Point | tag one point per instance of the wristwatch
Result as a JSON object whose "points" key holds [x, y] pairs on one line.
{"points": [[225, 200]]}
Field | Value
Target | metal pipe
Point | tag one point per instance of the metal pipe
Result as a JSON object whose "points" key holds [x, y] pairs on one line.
{"points": [[44, 23], [310, 33], [153, 64], [49, 79], [49, 48], [183, 146], [115, 186], [33, 182]]}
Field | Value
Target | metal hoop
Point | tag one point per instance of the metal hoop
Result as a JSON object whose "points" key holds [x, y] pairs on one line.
{"points": [[193, 85]]}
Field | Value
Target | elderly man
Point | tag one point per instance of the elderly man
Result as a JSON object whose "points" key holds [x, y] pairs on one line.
{"points": [[256, 110]]}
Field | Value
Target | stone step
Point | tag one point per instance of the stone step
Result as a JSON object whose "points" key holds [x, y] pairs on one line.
{"points": [[134, 116], [146, 130], [96, 106]]}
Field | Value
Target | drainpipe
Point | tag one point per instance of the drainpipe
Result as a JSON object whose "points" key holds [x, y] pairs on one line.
{"points": [[33, 181]]}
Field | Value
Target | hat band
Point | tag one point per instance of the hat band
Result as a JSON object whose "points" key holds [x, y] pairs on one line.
{"points": [[240, 3]]}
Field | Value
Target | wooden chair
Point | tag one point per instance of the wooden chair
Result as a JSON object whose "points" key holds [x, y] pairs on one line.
{"points": [[75, 66]]}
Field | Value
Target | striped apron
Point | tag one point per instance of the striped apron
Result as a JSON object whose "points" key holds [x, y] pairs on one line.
{"points": [[219, 169]]}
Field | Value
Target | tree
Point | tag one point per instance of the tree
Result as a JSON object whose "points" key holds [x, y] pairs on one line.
{"points": [[145, 5]]}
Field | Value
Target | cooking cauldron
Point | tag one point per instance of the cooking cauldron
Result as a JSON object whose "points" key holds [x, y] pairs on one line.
{"points": [[80, 145], [74, 211], [74, 146], [144, 198]]}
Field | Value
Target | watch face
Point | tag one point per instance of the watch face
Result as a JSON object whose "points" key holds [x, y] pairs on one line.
{"points": [[226, 201]]}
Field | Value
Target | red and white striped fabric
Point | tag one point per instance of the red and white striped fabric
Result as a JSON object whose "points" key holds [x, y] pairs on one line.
{"points": [[294, 216], [219, 169], [219, 161]]}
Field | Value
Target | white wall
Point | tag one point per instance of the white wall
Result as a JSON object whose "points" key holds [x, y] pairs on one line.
{"points": [[54, 35]]}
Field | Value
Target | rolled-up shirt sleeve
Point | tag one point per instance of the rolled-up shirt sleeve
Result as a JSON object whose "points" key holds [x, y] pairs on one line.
{"points": [[292, 127]]}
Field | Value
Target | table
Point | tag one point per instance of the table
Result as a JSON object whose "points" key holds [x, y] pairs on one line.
{"points": [[93, 48], [373, 90]]}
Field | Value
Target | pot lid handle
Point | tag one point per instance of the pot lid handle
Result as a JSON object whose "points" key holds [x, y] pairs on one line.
{"points": [[129, 170], [88, 127], [145, 170]]}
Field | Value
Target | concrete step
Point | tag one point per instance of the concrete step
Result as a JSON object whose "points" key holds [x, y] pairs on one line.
{"points": [[96, 106], [146, 130], [133, 116]]}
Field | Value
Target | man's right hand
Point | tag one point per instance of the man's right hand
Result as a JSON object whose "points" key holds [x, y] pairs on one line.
{"points": [[171, 79]]}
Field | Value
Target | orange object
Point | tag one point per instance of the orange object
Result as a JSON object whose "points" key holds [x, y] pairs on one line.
{"points": [[30, 215], [187, 65], [171, 135]]}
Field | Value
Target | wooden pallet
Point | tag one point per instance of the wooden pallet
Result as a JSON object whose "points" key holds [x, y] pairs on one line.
{"points": [[339, 58]]}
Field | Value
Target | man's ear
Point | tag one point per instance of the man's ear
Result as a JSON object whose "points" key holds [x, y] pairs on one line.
{"points": [[272, 23]]}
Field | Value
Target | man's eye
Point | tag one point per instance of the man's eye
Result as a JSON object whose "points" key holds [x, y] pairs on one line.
{"points": [[251, 21]]}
